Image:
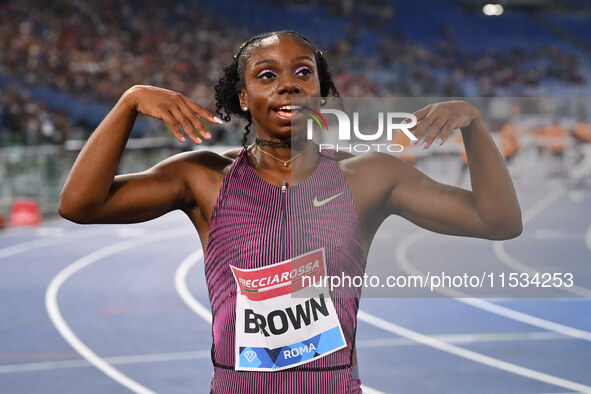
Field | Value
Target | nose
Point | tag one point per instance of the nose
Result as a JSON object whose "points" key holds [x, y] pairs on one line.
{"points": [[289, 85]]}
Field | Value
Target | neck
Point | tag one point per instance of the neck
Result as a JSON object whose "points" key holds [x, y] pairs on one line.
{"points": [[282, 144], [283, 159]]}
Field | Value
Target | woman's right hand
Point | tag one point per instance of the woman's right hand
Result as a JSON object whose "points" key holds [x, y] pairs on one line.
{"points": [[174, 109]]}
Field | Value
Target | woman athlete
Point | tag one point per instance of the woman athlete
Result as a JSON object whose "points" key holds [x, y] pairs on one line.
{"points": [[237, 202]]}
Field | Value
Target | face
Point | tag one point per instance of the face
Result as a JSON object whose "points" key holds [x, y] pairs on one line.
{"points": [[278, 69]]}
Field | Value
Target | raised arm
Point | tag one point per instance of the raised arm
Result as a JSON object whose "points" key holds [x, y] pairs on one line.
{"points": [[93, 194], [490, 210]]}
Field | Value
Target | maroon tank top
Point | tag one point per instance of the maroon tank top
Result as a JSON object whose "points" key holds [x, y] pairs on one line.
{"points": [[254, 224]]}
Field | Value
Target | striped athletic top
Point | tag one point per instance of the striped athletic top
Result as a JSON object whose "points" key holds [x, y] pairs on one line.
{"points": [[254, 224]]}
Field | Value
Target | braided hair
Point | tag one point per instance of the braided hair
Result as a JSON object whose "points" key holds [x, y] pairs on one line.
{"points": [[226, 91]]}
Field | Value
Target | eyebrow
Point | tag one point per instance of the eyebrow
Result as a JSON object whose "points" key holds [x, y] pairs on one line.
{"points": [[271, 61], [304, 58]]}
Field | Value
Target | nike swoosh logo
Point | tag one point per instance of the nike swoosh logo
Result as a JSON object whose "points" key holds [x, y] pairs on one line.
{"points": [[322, 202]]}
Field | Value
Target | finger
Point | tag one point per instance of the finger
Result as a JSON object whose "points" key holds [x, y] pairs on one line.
{"points": [[185, 122], [407, 126], [423, 125], [436, 128], [173, 126], [421, 113], [196, 121], [447, 130], [202, 112]]}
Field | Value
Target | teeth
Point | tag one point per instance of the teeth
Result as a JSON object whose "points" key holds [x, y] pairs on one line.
{"points": [[289, 108]]}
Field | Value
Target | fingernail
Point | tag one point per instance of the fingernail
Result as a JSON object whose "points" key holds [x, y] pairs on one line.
{"points": [[425, 145], [198, 140], [440, 141], [218, 120], [207, 135]]}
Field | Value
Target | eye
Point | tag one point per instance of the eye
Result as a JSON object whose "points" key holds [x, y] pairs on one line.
{"points": [[266, 74], [305, 71]]}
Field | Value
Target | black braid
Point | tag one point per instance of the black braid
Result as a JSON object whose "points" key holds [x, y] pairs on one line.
{"points": [[226, 91]]}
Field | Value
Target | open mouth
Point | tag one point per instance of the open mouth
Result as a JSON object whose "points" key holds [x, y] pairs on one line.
{"points": [[288, 111]]}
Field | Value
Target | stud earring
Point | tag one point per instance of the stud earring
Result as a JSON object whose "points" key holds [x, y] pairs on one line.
{"points": [[245, 108]]}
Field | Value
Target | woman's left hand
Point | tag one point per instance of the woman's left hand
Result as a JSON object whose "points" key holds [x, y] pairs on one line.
{"points": [[437, 121]]}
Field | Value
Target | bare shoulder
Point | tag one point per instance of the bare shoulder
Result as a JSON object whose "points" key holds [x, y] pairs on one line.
{"points": [[232, 153], [372, 167], [371, 177], [197, 162], [200, 174]]}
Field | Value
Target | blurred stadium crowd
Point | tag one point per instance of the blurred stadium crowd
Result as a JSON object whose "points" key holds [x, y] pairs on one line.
{"points": [[92, 51]]}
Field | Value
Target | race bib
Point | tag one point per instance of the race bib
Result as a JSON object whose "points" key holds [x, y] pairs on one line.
{"points": [[283, 317]]}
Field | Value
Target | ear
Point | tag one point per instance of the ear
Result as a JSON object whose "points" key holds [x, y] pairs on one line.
{"points": [[243, 97]]}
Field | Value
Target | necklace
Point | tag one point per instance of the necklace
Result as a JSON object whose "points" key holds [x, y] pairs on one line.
{"points": [[283, 161], [272, 143]]}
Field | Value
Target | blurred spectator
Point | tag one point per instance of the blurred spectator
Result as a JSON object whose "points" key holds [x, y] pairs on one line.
{"points": [[556, 137], [582, 169], [581, 131], [509, 139], [24, 120], [496, 73], [95, 50]]}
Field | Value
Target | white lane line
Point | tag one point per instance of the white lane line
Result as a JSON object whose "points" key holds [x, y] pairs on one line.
{"points": [[564, 392], [50, 241], [43, 366], [119, 360], [56, 317], [588, 237], [50, 231], [369, 390], [405, 264], [501, 253], [541, 205], [464, 338], [528, 319], [206, 354], [470, 355], [180, 283]]}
